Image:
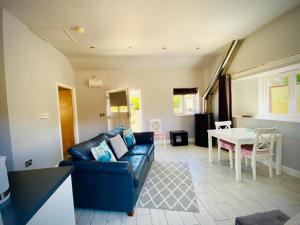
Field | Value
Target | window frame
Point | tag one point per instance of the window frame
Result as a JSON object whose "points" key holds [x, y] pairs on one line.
{"points": [[264, 93], [183, 105]]}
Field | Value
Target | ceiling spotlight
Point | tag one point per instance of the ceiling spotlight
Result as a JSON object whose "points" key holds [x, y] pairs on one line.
{"points": [[92, 47], [164, 48], [79, 30]]}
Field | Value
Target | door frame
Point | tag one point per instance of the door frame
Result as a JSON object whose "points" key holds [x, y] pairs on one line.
{"points": [[141, 105], [108, 103], [75, 117]]}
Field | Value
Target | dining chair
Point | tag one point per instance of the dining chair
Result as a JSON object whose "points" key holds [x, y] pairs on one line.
{"points": [[261, 149], [155, 126], [225, 144]]}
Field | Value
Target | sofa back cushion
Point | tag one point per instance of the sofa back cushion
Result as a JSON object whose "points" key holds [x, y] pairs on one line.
{"points": [[118, 146], [129, 138], [83, 150], [115, 132]]}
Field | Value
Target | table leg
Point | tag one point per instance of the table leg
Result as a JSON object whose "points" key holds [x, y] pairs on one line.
{"points": [[210, 148], [238, 162], [278, 155]]}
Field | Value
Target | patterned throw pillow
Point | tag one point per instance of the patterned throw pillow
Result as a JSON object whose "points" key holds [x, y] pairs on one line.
{"points": [[129, 137], [102, 153]]}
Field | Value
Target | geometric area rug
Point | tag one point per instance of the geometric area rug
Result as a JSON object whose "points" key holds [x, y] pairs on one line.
{"points": [[169, 186]]}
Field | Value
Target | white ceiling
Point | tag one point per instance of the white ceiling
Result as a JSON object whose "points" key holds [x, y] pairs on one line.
{"points": [[147, 26]]}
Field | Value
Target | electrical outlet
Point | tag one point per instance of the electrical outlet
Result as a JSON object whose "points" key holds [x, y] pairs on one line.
{"points": [[28, 163]]}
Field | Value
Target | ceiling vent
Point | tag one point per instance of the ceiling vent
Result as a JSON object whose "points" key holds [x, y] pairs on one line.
{"points": [[53, 34]]}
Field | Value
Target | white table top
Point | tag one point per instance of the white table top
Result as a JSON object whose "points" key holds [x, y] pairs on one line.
{"points": [[236, 135]]}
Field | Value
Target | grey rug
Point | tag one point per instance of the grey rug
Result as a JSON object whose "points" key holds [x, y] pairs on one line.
{"points": [[169, 186]]}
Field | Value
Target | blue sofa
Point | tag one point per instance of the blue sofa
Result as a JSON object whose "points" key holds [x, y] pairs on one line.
{"points": [[110, 185]]}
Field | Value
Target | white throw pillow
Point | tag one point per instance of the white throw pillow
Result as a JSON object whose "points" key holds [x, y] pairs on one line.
{"points": [[295, 220], [119, 146]]}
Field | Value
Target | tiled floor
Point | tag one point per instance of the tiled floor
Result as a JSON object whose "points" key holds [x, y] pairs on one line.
{"points": [[220, 197]]}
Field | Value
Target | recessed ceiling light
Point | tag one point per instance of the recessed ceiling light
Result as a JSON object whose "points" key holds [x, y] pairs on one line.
{"points": [[92, 47], [164, 48], [197, 48], [79, 30]]}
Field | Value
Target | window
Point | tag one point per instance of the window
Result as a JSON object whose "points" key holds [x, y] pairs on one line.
{"points": [[280, 94], [298, 93], [185, 101]]}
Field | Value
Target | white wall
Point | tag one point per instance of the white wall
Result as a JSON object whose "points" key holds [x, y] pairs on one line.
{"points": [[32, 68], [157, 91], [5, 143], [245, 97], [275, 41]]}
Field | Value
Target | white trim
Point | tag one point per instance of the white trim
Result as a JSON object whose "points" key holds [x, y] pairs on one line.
{"points": [[285, 169], [75, 116], [161, 142], [290, 171]]}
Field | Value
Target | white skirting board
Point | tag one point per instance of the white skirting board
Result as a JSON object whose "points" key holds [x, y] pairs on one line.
{"points": [[161, 142], [285, 169]]}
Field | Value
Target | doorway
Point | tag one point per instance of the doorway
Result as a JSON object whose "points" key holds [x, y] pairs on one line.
{"points": [[66, 115], [118, 109], [135, 102]]}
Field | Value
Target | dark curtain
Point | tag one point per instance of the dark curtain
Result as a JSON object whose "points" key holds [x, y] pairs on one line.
{"points": [[225, 106], [185, 91]]}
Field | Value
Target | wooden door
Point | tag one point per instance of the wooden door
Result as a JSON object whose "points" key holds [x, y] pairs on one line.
{"points": [[66, 118]]}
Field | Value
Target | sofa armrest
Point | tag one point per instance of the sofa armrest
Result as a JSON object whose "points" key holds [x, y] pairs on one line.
{"points": [[93, 166], [144, 137], [102, 185]]}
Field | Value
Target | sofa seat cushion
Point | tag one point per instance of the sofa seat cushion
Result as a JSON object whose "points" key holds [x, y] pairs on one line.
{"points": [[138, 165], [141, 150]]}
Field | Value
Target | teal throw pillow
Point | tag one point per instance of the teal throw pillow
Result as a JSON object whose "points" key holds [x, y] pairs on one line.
{"points": [[129, 137], [102, 153]]}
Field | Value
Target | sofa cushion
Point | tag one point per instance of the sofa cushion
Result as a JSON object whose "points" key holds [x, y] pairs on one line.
{"points": [[141, 150], [83, 149], [115, 132], [102, 153], [266, 218], [118, 146], [129, 138], [138, 165]]}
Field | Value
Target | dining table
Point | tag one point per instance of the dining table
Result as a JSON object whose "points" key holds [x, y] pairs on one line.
{"points": [[241, 136]]}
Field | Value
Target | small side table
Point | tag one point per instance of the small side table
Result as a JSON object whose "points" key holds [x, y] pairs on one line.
{"points": [[179, 137]]}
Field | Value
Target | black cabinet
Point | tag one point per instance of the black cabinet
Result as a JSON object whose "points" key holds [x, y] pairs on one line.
{"points": [[179, 137], [203, 122]]}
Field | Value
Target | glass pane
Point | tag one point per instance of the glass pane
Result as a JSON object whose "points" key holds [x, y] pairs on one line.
{"points": [[279, 95], [114, 109], [177, 103], [135, 101], [298, 92], [123, 108], [189, 104]]}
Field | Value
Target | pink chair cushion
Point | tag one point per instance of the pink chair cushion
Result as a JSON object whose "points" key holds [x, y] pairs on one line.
{"points": [[246, 150], [159, 133], [227, 145]]}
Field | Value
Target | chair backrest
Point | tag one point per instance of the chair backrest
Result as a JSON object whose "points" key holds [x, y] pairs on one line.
{"points": [[265, 138], [155, 125], [223, 125]]}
